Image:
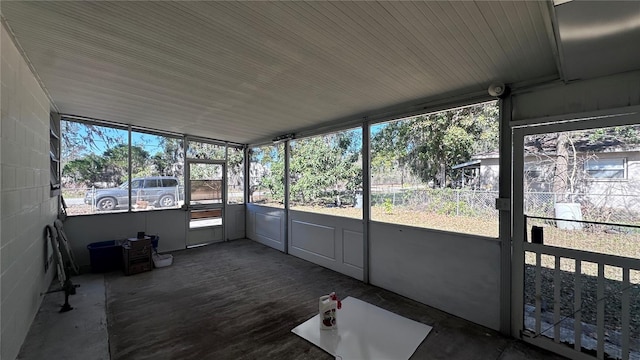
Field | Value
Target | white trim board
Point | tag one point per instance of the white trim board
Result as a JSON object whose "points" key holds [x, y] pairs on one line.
{"points": [[365, 331]]}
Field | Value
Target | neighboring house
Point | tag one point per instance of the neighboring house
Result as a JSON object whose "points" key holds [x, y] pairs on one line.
{"points": [[480, 173], [605, 179]]}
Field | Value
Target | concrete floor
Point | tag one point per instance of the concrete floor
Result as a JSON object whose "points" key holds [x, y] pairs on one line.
{"points": [[82, 333]]}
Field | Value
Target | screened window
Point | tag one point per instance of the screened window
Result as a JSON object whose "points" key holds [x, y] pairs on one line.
{"points": [[94, 162], [438, 170], [95, 169], [235, 175], [205, 150], [157, 161], [266, 175], [326, 174]]}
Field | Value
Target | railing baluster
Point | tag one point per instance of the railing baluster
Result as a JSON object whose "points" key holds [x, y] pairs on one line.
{"points": [[625, 313], [538, 292], [577, 304], [603, 261], [556, 300], [600, 313]]}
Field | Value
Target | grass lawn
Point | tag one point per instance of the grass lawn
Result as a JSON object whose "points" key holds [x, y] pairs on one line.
{"points": [[620, 244], [405, 216]]}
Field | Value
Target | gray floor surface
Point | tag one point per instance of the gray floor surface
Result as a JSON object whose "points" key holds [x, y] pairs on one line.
{"points": [[78, 334], [234, 300]]}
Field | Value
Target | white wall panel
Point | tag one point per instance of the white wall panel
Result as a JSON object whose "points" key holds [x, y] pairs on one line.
{"points": [[352, 245], [330, 241], [235, 222], [203, 236], [457, 273], [170, 225], [266, 225], [316, 239]]}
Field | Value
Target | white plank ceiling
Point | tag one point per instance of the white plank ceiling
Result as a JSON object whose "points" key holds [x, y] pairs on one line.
{"points": [[248, 71]]}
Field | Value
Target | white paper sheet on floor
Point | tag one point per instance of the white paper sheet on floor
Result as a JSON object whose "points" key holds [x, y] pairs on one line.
{"points": [[365, 331]]}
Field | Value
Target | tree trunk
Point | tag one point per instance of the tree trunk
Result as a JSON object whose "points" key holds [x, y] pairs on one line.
{"points": [[561, 176]]}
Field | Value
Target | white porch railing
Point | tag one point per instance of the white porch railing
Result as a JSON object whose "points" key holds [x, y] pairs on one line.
{"points": [[548, 330]]}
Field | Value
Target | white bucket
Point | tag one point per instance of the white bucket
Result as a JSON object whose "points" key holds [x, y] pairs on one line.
{"points": [[568, 211]]}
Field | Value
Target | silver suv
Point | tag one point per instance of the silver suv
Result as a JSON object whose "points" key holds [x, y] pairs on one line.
{"points": [[162, 191]]}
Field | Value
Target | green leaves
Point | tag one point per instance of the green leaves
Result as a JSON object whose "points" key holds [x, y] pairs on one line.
{"points": [[429, 145], [323, 167]]}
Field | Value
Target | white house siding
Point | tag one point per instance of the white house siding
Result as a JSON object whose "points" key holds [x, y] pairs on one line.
{"points": [[618, 193], [613, 194]]}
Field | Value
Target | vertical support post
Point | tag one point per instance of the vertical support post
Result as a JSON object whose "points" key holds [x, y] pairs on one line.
{"points": [[186, 173], [577, 306], [129, 171], [625, 311], [504, 215], [366, 199], [225, 192], [538, 292], [556, 300], [247, 175], [600, 310], [287, 153]]}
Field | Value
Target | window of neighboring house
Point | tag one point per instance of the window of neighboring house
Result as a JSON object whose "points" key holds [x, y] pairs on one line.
{"points": [[532, 173], [266, 175], [326, 174], [417, 170], [606, 168]]}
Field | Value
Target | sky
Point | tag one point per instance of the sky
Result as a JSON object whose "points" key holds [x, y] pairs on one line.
{"points": [[151, 143]]}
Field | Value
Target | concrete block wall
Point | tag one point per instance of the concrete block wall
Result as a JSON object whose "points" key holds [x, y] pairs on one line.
{"points": [[26, 202]]}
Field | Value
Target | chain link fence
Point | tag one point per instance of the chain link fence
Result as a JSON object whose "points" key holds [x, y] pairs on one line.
{"points": [[462, 202], [607, 208], [458, 202], [624, 209]]}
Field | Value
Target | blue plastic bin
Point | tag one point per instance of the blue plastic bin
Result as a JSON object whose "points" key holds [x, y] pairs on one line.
{"points": [[105, 256], [154, 241]]}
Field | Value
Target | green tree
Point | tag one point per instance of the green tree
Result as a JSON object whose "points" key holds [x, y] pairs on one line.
{"points": [[111, 167], [170, 161], [87, 170], [117, 162], [235, 167], [272, 159], [325, 166], [430, 145]]}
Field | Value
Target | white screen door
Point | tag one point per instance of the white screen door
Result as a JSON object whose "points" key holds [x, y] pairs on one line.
{"points": [[206, 201]]}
